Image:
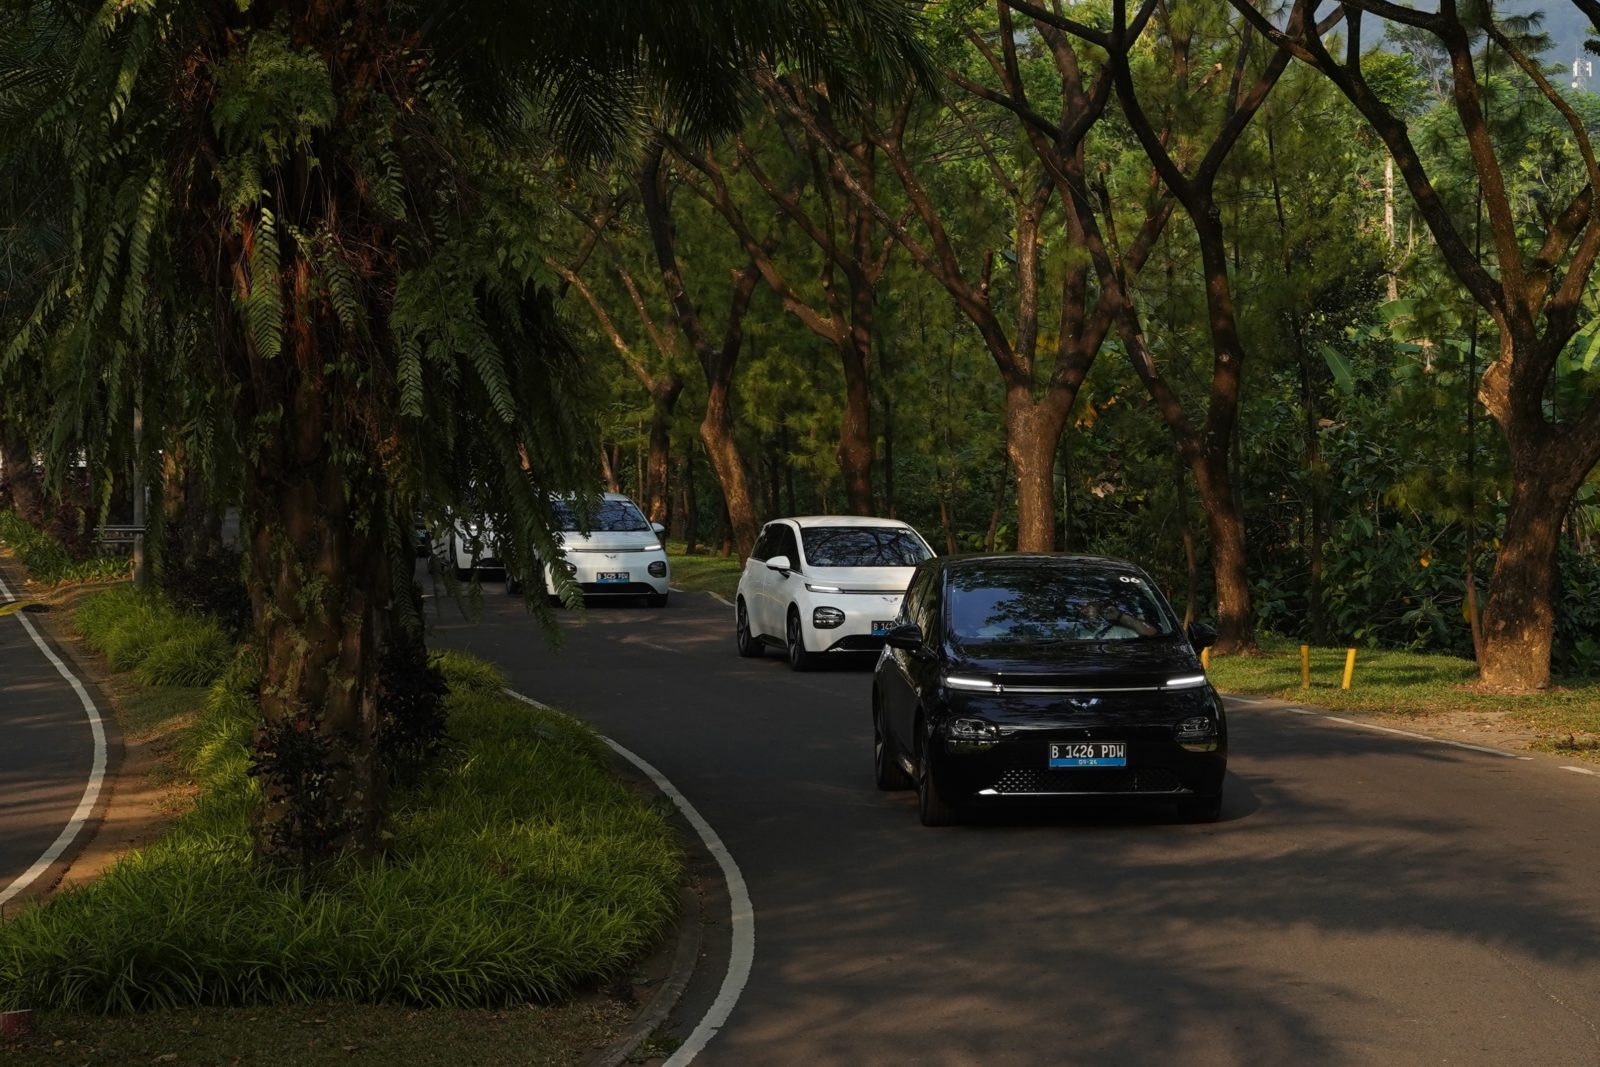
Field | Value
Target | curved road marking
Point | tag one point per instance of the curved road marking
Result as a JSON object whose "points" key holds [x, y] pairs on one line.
{"points": [[741, 911], [1403, 733], [97, 773]]}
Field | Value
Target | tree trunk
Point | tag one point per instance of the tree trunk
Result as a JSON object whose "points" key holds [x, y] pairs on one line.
{"points": [[691, 506], [1033, 432], [1235, 623], [716, 430], [658, 465], [1191, 563], [320, 582], [17, 456], [855, 430], [1519, 617]]}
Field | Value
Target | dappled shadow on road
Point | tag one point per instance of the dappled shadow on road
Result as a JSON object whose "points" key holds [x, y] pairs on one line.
{"points": [[1317, 922], [1366, 898]]}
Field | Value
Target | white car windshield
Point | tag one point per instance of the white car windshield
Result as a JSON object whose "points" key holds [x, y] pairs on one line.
{"points": [[608, 516], [862, 546]]}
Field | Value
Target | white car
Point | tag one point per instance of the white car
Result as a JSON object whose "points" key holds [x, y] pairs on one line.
{"points": [[471, 547], [621, 555], [823, 585]]}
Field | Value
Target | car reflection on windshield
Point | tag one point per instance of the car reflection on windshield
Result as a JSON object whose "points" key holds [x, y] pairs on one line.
{"points": [[1006, 605]]}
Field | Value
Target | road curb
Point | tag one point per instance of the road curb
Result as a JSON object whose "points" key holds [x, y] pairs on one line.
{"points": [[685, 958], [692, 917]]}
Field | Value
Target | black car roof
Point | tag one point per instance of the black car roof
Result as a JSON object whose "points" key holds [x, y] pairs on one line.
{"points": [[1034, 559]]}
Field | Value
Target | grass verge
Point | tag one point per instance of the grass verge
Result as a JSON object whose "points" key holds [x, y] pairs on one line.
{"points": [[713, 574], [1415, 685], [519, 871], [48, 561]]}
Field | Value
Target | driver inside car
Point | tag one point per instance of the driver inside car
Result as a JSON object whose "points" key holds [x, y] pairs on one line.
{"points": [[1105, 620]]}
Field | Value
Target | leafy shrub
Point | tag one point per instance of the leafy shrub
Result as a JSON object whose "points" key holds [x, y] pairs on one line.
{"points": [[209, 583], [411, 707]]}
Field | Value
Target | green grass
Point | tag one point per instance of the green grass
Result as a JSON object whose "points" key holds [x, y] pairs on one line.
{"points": [[48, 561], [715, 574], [1409, 684], [518, 870], [162, 646]]}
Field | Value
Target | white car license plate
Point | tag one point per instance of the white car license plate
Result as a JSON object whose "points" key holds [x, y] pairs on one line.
{"points": [[1090, 754]]}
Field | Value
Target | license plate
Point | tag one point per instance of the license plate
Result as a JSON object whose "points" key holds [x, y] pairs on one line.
{"points": [[881, 626], [611, 576], [1090, 754]]}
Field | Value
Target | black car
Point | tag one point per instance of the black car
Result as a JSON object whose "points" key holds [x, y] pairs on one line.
{"points": [[1045, 676]]}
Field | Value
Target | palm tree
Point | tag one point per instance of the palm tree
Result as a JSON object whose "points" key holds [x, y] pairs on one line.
{"points": [[328, 215]]}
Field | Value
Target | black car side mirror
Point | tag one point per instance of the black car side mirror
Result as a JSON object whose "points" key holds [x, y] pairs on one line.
{"points": [[908, 635], [1202, 635]]}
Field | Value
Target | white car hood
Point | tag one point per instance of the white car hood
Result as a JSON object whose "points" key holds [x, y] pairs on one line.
{"points": [[604, 541], [861, 579]]}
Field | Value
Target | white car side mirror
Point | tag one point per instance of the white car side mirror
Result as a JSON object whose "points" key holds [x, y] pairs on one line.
{"points": [[661, 531], [779, 563]]}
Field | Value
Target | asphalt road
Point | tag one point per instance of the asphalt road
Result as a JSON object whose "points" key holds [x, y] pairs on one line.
{"points": [[46, 753], [1366, 898]]}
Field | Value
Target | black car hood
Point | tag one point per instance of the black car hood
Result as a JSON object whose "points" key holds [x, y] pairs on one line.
{"points": [[1140, 662]]}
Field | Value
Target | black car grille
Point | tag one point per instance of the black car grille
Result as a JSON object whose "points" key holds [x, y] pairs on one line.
{"points": [[1086, 780]]}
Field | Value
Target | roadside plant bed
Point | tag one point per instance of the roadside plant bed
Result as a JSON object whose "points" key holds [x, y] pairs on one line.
{"points": [[1415, 685], [518, 870], [48, 561]]}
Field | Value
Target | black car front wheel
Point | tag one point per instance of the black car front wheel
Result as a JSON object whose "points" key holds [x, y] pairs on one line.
{"points": [[886, 768], [933, 806]]}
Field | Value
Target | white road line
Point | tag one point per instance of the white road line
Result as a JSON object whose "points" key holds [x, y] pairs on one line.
{"points": [[658, 648], [1502, 753], [1582, 770], [742, 915], [97, 772], [729, 603], [1239, 700]]}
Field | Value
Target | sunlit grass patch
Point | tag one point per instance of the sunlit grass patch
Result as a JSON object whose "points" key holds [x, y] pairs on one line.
{"points": [[716, 574], [1406, 683]]}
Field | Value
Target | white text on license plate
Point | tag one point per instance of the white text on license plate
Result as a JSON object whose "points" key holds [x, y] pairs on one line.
{"points": [[612, 576], [1089, 754]]}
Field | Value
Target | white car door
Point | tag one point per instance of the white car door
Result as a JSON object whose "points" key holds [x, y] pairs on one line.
{"points": [[753, 584], [775, 585]]}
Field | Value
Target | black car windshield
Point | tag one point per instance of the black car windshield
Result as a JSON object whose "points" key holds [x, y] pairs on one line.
{"points": [[608, 516], [862, 546], [1010, 605]]}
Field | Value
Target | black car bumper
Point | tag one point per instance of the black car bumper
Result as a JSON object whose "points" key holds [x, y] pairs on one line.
{"points": [[1156, 766]]}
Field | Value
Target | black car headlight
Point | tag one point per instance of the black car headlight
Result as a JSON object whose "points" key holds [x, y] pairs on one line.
{"points": [[1197, 733], [572, 568], [826, 618], [972, 730], [658, 569]]}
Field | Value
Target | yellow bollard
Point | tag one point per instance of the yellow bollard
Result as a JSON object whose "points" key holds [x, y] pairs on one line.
{"points": [[1349, 666], [1205, 659], [1305, 666]]}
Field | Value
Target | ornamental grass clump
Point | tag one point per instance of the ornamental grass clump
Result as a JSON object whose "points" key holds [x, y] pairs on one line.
{"points": [[517, 869]]}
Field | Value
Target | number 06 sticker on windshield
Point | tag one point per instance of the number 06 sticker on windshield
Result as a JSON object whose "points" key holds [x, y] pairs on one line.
{"points": [[1090, 754]]}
